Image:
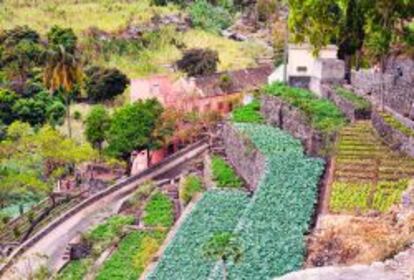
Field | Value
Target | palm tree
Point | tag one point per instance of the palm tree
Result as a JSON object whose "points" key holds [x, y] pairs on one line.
{"points": [[223, 247], [63, 72]]}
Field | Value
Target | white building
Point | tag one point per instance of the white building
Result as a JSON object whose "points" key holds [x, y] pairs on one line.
{"points": [[304, 69]]}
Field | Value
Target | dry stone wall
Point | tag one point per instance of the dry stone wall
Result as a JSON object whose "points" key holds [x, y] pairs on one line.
{"points": [[398, 84], [243, 155], [283, 115]]}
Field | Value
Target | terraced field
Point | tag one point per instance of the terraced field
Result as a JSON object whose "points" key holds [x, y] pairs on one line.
{"points": [[368, 175]]}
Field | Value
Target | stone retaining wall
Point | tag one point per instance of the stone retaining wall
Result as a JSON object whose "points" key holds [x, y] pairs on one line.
{"points": [[344, 105], [394, 138], [243, 156], [283, 115]]}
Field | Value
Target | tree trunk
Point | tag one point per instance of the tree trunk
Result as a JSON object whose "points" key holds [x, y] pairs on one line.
{"points": [[348, 67], [68, 116]]}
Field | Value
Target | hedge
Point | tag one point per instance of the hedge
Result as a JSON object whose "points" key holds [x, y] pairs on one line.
{"points": [[323, 114], [217, 211]]}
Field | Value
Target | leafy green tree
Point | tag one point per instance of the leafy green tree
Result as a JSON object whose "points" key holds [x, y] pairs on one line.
{"points": [[386, 22], [223, 247], [63, 68], [97, 124], [104, 83], [7, 101], [20, 51], [132, 127], [59, 37], [197, 62]]}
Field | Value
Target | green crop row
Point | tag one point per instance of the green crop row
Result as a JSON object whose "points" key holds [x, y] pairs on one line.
{"points": [[324, 115], [217, 211], [223, 174], [357, 101], [134, 253], [397, 125], [350, 197], [249, 113], [387, 194], [159, 211]]}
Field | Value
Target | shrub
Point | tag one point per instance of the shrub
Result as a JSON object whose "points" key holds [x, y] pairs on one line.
{"points": [[323, 114], [159, 211], [208, 17], [77, 115], [192, 184], [223, 174], [249, 113], [104, 83], [196, 62]]}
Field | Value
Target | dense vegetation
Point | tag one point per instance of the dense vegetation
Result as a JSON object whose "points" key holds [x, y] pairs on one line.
{"points": [[223, 174], [368, 174], [323, 114]]}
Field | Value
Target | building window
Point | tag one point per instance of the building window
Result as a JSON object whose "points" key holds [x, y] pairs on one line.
{"points": [[303, 69]]}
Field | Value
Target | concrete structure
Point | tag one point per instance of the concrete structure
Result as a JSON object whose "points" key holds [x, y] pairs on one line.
{"points": [[306, 70]]}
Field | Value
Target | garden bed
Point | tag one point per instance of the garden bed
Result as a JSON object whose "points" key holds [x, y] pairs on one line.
{"points": [[352, 105], [313, 120], [393, 132], [368, 175], [282, 206]]}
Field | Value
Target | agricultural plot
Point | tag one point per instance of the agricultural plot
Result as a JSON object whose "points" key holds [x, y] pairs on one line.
{"points": [[368, 175], [217, 211], [270, 226]]}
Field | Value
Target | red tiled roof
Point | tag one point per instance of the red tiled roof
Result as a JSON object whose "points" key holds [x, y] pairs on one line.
{"points": [[240, 80]]}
